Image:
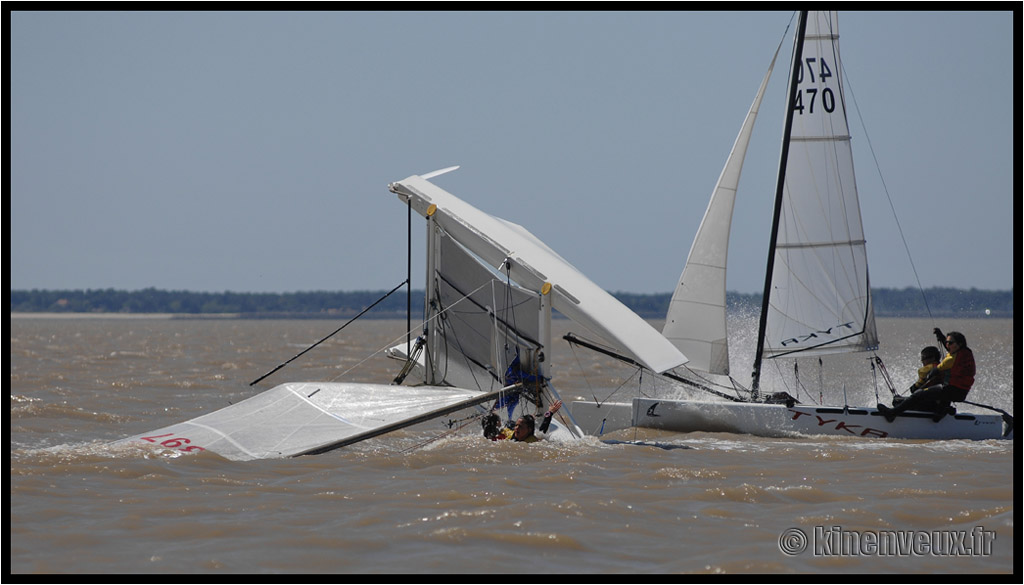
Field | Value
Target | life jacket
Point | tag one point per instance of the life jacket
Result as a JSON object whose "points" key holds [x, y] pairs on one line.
{"points": [[962, 373], [927, 375]]}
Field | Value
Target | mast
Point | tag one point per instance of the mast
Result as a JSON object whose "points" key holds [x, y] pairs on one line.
{"points": [[431, 305], [408, 280], [779, 190], [543, 371]]}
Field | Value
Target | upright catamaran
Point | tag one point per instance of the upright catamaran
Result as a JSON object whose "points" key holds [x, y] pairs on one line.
{"points": [[817, 295]]}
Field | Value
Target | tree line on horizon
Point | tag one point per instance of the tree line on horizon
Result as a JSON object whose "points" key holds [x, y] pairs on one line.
{"points": [[907, 302]]}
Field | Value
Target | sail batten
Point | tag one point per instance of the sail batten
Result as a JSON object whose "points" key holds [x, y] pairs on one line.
{"points": [[820, 139], [833, 244]]}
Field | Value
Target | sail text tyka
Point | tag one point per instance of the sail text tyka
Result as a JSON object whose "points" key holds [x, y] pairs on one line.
{"points": [[842, 425]]}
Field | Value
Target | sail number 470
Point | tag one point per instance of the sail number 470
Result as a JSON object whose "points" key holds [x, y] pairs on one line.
{"points": [[174, 442], [818, 70]]}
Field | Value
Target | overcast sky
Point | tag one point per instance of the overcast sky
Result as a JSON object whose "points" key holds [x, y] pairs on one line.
{"points": [[251, 152]]}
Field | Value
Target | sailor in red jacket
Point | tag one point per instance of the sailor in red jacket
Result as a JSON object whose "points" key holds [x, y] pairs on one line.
{"points": [[938, 399]]}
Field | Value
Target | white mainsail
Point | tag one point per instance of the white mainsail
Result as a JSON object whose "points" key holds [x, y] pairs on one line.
{"points": [[301, 418], [695, 322], [820, 299], [532, 264]]}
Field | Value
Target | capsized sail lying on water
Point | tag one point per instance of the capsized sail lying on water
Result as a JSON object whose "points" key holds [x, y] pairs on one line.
{"points": [[305, 418]]}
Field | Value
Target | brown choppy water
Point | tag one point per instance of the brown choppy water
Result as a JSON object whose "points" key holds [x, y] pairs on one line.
{"points": [[404, 503]]}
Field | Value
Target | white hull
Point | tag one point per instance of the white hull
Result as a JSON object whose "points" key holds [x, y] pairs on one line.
{"points": [[598, 419], [778, 420]]}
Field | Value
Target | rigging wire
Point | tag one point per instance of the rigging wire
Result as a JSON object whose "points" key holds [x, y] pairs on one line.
{"points": [[583, 372], [296, 356], [552, 397], [620, 386], [735, 385], [885, 188], [453, 429], [399, 338]]}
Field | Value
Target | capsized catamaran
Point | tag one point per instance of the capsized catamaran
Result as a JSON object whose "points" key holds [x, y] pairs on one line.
{"points": [[486, 341], [817, 297], [465, 246]]}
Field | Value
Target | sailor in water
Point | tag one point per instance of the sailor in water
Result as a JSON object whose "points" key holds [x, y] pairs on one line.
{"points": [[524, 430]]}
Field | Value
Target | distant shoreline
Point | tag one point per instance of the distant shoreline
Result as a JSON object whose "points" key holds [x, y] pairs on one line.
{"points": [[160, 304], [122, 316], [306, 316]]}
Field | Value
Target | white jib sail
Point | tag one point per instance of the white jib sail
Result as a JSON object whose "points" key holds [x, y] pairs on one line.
{"points": [[533, 264], [820, 295], [695, 322]]}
